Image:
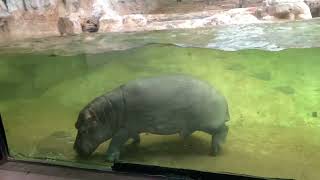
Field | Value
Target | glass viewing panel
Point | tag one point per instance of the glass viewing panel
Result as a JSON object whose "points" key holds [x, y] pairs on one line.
{"points": [[163, 95]]}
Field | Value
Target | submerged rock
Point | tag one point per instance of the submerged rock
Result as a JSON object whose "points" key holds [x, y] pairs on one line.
{"points": [[314, 114], [266, 76], [285, 89], [235, 67]]}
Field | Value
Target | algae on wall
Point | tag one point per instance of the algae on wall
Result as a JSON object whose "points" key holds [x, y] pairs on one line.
{"points": [[264, 120], [31, 75], [277, 100]]}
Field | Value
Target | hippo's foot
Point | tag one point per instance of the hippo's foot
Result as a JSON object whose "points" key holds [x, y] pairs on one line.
{"points": [[218, 138], [118, 140], [216, 150], [113, 156]]}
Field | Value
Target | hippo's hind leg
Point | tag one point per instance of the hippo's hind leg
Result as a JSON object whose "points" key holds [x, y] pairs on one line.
{"points": [[185, 133], [218, 138]]}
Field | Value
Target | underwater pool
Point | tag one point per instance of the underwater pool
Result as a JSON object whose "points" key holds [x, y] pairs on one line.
{"points": [[269, 76]]}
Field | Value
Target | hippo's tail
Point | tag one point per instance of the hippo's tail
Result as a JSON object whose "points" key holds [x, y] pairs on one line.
{"points": [[227, 115]]}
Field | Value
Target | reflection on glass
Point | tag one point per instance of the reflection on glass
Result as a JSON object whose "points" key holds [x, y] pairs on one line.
{"points": [[273, 99]]}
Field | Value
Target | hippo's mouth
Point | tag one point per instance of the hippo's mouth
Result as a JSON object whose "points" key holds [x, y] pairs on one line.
{"points": [[84, 150], [81, 152]]}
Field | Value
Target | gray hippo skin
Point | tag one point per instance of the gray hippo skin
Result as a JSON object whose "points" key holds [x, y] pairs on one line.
{"points": [[160, 105]]}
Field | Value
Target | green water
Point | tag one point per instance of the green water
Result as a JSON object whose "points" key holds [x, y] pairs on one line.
{"points": [[274, 100]]}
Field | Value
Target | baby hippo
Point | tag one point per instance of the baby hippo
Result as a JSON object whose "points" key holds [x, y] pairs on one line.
{"points": [[159, 105]]}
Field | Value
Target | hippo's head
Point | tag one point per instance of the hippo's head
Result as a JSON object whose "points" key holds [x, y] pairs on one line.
{"points": [[92, 131]]}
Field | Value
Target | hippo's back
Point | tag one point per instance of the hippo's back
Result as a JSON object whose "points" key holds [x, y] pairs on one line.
{"points": [[176, 90], [169, 102]]}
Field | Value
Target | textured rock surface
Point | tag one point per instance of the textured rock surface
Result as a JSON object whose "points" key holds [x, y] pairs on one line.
{"points": [[314, 6], [66, 26], [3, 8], [30, 5], [37, 18], [288, 9], [90, 24], [110, 24], [4, 25]]}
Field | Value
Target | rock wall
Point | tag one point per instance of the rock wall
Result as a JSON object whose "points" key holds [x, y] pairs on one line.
{"points": [[314, 6], [37, 18], [4, 20], [28, 18]]}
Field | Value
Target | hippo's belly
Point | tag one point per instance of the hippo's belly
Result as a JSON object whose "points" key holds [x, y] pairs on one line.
{"points": [[163, 129], [165, 121]]}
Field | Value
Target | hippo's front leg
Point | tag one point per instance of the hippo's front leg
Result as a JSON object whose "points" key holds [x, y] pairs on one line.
{"points": [[218, 138], [118, 140]]}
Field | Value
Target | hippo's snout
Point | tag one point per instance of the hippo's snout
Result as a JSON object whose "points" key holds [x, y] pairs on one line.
{"points": [[83, 152], [82, 147]]}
